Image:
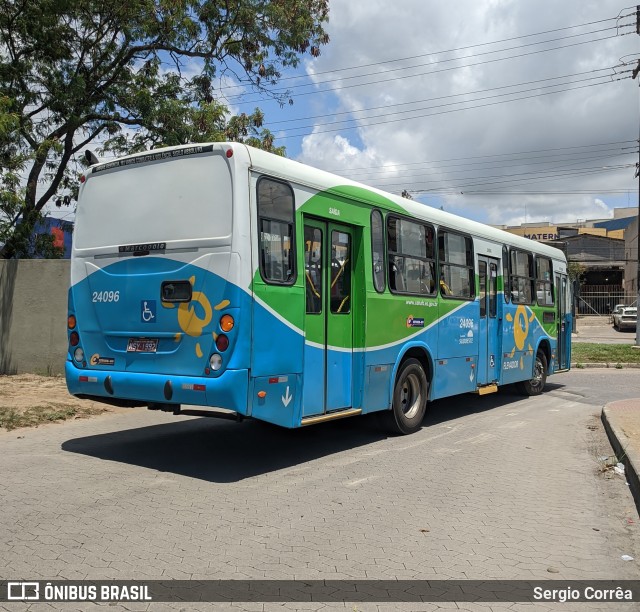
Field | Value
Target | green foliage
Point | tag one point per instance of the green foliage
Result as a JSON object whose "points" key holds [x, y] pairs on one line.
{"points": [[588, 352], [135, 75], [575, 270]]}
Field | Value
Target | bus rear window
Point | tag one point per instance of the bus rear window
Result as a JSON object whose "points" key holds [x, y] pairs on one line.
{"points": [[179, 199]]}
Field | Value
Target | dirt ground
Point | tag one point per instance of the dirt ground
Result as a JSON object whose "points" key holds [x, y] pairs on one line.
{"points": [[28, 400]]}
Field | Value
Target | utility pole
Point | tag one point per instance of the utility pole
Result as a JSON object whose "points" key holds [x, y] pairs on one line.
{"points": [[634, 75]]}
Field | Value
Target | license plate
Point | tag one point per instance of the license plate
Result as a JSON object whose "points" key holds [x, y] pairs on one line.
{"points": [[142, 345]]}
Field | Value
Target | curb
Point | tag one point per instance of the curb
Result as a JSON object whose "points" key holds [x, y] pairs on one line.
{"points": [[624, 451], [578, 365]]}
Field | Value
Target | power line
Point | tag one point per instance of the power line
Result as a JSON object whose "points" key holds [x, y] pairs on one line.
{"points": [[468, 93], [457, 188], [552, 175], [457, 49], [595, 191], [444, 112], [455, 59], [485, 44], [508, 154], [429, 72], [602, 80], [439, 171]]}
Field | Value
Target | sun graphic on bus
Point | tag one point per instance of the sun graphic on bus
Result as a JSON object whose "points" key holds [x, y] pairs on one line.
{"points": [[520, 331], [189, 321]]}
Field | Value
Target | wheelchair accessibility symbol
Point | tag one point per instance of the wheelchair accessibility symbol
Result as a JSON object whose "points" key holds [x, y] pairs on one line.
{"points": [[148, 311]]}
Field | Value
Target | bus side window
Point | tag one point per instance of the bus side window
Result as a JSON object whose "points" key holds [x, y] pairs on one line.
{"points": [[377, 250], [522, 277], [396, 279], [410, 247], [313, 269], [544, 283], [455, 252], [505, 275], [276, 231]]}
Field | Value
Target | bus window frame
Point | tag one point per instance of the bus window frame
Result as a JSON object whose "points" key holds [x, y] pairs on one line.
{"points": [[531, 279], [433, 259], [384, 251], [506, 276], [293, 255], [473, 267], [545, 282], [319, 290]]}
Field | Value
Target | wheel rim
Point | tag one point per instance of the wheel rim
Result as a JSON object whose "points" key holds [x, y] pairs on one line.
{"points": [[411, 396], [538, 375]]}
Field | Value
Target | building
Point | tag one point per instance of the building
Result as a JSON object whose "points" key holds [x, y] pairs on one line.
{"points": [[631, 259], [605, 249]]}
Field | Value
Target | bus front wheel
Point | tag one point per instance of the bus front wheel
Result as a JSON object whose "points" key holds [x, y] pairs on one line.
{"points": [[409, 399], [535, 386]]}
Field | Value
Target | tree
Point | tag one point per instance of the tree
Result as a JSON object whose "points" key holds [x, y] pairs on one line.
{"points": [[131, 75], [575, 270]]}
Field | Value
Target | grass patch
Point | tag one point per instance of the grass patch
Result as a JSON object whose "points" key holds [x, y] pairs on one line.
{"points": [[587, 352], [11, 418]]}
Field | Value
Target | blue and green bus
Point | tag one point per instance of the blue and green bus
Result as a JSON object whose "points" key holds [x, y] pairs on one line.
{"points": [[242, 284]]}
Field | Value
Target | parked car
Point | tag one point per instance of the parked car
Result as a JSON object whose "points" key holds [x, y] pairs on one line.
{"points": [[625, 318], [616, 309]]}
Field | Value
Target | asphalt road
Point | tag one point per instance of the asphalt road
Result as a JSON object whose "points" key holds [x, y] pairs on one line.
{"points": [[494, 487]]}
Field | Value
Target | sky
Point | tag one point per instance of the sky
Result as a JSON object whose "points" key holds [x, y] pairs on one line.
{"points": [[503, 111]]}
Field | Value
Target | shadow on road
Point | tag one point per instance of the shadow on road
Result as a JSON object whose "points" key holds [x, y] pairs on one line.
{"points": [[223, 452]]}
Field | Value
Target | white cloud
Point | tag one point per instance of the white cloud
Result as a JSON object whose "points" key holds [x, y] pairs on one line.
{"points": [[453, 145]]}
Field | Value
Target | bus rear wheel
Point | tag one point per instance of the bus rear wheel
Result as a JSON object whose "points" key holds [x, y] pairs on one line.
{"points": [[535, 386], [409, 399]]}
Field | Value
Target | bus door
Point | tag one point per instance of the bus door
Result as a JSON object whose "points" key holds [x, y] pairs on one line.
{"points": [[328, 352], [564, 321], [489, 344]]}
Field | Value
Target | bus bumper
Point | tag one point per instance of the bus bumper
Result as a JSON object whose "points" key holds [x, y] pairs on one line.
{"points": [[226, 391]]}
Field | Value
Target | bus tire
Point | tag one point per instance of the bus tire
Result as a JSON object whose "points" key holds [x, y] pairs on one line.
{"points": [[535, 386], [409, 399]]}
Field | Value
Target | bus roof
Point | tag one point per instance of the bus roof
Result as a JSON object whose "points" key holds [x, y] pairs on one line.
{"points": [[302, 174], [320, 179]]}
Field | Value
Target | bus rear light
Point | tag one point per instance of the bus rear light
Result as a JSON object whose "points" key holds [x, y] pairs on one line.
{"points": [[215, 361], [78, 354], [226, 323], [229, 153], [83, 178], [74, 339], [222, 342], [262, 394], [71, 322]]}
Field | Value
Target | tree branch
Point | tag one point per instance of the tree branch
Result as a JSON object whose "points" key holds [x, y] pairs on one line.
{"points": [[62, 166], [87, 140]]}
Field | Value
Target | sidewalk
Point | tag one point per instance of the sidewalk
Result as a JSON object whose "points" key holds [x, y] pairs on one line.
{"points": [[622, 423]]}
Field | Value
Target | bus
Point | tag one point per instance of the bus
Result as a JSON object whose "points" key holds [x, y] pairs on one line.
{"points": [[221, 280]]}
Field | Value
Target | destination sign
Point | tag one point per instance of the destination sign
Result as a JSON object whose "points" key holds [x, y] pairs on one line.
{"points": [[152, 157]]}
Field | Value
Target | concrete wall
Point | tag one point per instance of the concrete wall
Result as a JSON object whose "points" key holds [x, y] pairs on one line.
{"points": [[33, 316]]}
